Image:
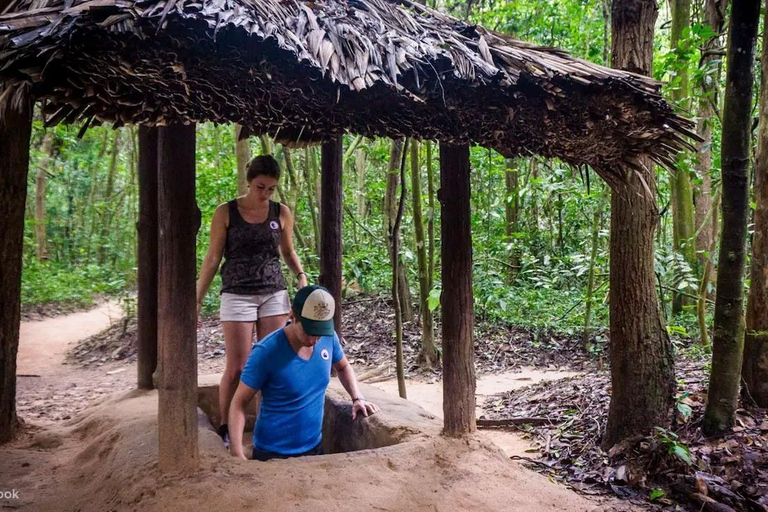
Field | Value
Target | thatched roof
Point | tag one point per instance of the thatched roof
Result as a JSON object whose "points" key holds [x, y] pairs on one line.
{"points": [[305, 71]]}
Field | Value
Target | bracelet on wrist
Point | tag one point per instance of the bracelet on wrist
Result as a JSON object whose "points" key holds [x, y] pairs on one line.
{"points": [[358, 399], [301, 273]]}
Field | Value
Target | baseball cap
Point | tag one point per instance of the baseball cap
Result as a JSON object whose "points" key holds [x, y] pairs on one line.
{"points": [[314, 306]]}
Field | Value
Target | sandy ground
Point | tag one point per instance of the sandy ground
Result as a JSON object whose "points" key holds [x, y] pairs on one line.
{"points": [[43, 343], [90, 443]]}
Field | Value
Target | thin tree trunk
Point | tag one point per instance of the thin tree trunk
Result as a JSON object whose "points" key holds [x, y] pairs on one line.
{"points": [[41, 239], [331, 244], [360, 195], [728, 332], [105, 218], [512, 213], [457, 301], [394, 240], [309, 187], [755, 366], [597, 221], [243, 155], [682, 189], [428, 354], [390, 212], [707, 231], [15, 133], [706, 277], [178, 222], [534, 218], [642, 364], [432, 214]]}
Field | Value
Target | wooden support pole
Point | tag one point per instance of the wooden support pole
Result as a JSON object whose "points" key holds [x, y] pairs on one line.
{"points": [[15, 131], [330, 230], [458, 311], [147, 256], [179, 220]]}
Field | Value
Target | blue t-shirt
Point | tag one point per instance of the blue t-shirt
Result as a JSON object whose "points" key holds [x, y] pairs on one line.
{"points": [[290, 418]]}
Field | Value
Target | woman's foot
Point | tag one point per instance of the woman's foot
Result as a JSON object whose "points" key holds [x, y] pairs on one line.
{"points": [[223, 432]]}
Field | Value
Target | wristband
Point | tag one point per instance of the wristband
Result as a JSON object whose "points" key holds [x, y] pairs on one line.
{"points": [[358, 399], [300, 273]]}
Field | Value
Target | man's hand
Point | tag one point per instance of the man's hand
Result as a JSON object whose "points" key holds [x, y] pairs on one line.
{"points": [[366, 408], [240, 455]]}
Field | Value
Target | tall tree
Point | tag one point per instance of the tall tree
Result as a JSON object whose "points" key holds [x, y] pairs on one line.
{"points": [[642, 365], [428, 354], [728, 332], [682, 191], [709, 64], [512, 212], [41, 180], [755, 366], [15, 132], [390, 213]]}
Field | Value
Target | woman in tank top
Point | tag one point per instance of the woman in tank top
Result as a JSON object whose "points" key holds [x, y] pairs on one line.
{"points": [[250, 233]]}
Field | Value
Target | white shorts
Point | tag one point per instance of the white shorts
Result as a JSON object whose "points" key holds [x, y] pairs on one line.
{"points": [[249, 308]]}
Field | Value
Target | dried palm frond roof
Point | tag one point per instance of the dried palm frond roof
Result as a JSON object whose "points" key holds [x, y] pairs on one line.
{"points": [[306, 71]]}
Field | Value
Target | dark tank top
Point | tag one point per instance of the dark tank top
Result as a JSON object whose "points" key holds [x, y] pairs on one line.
{"points": [[251, 254]]}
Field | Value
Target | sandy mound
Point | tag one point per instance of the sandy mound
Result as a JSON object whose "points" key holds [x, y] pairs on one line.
{"points": [[105, 459]]}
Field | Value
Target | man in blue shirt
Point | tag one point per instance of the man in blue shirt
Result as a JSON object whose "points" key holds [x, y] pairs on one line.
{"points": [[292, 368]]}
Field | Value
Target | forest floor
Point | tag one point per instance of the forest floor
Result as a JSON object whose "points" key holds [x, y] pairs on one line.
{"points": [[541, 375]]}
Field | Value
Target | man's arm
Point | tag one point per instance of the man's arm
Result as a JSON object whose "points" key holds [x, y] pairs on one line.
{"points": [[348, 379], [243, 396]]}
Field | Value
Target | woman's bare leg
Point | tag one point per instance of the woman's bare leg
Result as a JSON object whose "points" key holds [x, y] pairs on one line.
{"points": [[238, 337], [268, 324]]}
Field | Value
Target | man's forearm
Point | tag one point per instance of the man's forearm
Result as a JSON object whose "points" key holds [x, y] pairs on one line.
{"points": [[236, 426], [348, 379]]}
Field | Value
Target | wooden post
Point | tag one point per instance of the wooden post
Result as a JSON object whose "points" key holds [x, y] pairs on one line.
{"points": [[330, 229], [458, 311], [15, 131], [147, 276], [179, 220]]}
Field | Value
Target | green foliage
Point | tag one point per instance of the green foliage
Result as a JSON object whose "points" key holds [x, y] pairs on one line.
{"points": [[73, 286], [674, 447]]}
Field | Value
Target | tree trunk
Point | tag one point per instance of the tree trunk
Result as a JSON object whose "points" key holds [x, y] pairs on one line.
{"points": [[147, 258], [361, 196], [512, 213], [311, 201], [432, 214], [428, 354], [457, 300], [706, 227], [390, 211], [178, 222], [394, 240], [642, 364], [15, 132], [597, 221], [682, 189], [41, 239], [105, 218], [728, 332], [755, 366], [331, 240], [243, 155]]}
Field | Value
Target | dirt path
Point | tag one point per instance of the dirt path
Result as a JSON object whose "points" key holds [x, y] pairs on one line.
{"points": [[43, 343], [429, 395]]}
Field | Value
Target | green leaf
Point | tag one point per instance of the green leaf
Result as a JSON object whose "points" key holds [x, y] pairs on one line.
{"points": [[681, 452], [656, 494], [433, 301]]}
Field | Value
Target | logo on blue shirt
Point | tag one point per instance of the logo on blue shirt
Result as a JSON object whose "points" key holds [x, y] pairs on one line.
{"points": [[324, 354]]}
